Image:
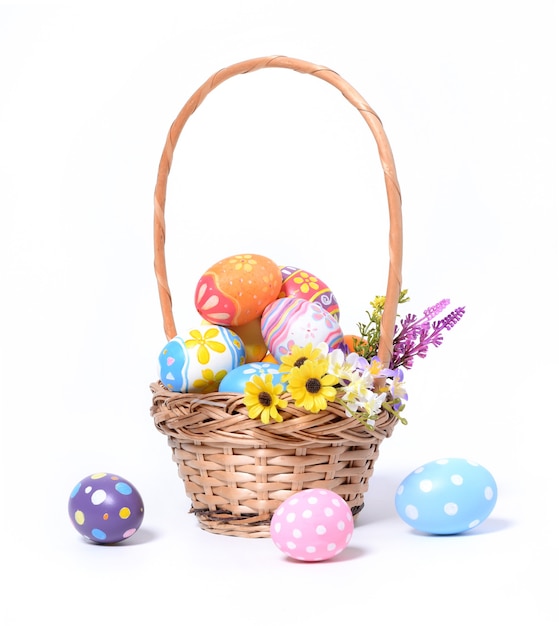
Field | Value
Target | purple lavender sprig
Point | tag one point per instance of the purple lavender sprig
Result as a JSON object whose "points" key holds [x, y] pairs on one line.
{"points": [[415, 335]]}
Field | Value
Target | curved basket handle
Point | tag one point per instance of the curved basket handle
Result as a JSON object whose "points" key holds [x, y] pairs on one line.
{"points": [[394, 284]]}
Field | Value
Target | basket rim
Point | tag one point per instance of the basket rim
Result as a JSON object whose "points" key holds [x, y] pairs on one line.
{"points": [[222, 419]]}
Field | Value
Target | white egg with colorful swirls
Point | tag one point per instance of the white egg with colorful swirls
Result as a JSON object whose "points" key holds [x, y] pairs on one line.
{"points": [[289, 322]]}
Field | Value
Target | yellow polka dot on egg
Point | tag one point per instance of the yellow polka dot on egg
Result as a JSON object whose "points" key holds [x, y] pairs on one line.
{"points": [[124, 513], [79, 517]]}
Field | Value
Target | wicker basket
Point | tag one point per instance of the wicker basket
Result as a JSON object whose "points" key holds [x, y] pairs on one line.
{"points": [[236, 470]]}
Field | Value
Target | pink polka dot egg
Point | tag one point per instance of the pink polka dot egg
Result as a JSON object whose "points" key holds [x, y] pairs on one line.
{"points": [[312, 525]]}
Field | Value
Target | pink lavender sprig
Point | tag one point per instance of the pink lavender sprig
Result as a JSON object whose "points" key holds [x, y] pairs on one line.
{"points": [[415, 336], [432, 312]]}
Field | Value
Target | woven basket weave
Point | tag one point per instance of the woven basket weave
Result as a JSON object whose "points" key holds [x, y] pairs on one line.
{"points": [[236, 470]]}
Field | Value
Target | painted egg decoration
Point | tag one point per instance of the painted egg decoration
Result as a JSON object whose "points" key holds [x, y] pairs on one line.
{"points": [[235, 290], [198, 362], [353, 342], [251, 336], [289, 322], [298, 283], [235, 380], [312, 525], [446, 497], [105, 508], [269, 358]]}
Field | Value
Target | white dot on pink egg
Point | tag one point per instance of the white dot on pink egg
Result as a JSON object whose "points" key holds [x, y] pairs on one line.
{"points": [[318, 525]]}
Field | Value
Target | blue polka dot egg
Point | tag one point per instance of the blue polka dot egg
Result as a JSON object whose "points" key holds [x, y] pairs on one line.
{"points": [[105, 508], [446, 497]]}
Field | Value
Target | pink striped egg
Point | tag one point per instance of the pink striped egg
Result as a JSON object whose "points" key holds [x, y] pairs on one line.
{"points": [[289, 322]]}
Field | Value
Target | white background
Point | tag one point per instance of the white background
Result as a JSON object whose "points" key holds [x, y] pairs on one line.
{"points": [[280, 164]]}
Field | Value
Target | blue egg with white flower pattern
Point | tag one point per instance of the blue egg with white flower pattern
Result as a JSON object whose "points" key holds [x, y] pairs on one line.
{"points": [[236, 379], [446, 497]]}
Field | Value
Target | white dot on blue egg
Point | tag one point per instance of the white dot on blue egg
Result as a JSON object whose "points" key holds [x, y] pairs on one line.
{"points": [[411, 512], [450, 508], [426, 486]]}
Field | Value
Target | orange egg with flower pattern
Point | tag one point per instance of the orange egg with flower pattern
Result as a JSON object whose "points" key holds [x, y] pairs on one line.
{"points": [[235, 290]]}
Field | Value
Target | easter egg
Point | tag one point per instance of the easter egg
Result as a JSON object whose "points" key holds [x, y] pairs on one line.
{"points": [[352, 342], [446, 497], [269, 358], [198, 362], [235, 290], [235, 380], [312, 525], [251, 336], [105, 508], [298, 283], [289, 322]]}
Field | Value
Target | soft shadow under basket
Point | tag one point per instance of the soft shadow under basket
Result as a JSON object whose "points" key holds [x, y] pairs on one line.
{"points": [[236, 470]]}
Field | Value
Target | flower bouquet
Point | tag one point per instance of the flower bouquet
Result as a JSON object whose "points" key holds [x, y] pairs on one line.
{"points": [[352, 375]]}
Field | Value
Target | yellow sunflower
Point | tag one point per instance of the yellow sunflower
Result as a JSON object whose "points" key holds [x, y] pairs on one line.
{"points": [[311, 386], [297, 357], [262, 398]]}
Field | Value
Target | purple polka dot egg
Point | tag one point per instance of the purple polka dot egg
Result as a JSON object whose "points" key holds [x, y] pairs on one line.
{"points": [[312, 525], [105, 508], [446, 497]]}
